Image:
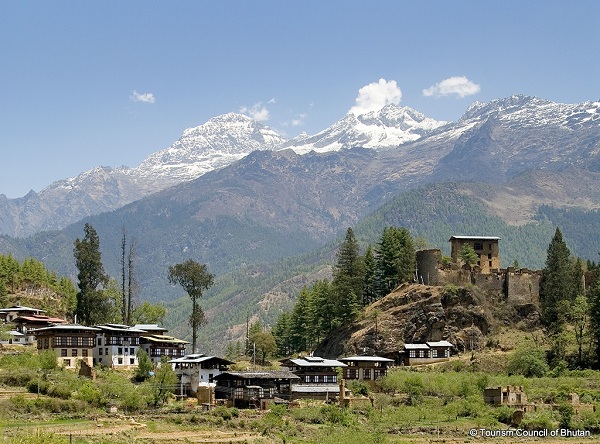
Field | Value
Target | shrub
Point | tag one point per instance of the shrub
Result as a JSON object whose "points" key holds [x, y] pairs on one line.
{"points": [[358, 388], [529, 361], [413, 386]]}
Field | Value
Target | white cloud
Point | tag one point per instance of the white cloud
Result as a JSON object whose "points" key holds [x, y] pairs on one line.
{"points": [[142, 97], [258, 112], [298, 120], [272, 101], [376, 95], [460, 86]]}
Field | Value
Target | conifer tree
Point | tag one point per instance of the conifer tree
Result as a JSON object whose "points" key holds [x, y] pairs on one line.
{"points": [[395, 259], [92, 307], [370, 279], [348, 276], [557, 284]]}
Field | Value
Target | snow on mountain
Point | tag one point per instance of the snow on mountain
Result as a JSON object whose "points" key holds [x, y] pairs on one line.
{"points": [[389, 127], [217, 143], [527, 111]]}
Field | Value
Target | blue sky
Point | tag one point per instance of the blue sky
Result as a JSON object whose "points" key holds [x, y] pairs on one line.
{"points": [[84, 84]]}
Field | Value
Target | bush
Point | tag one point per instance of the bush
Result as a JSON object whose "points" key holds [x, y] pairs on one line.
{"points": [[529, 361], [358, 388]]}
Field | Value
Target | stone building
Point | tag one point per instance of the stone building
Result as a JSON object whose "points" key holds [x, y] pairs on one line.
{"points": [[486, 247]]}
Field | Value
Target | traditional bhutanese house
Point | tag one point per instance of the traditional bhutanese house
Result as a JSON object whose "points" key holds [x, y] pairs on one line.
{"points": [[318, 376], [11, 313], [365, 368], [440, 350], [117, 345], [486, 247], [13, 337], [248, 388], [71, 342], [193, 370], [162, 345], [427, 353], [27, 323]]}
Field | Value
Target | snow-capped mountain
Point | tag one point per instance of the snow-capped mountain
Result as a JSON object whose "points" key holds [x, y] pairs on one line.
{"points": [[217, 143], [389, 127], [527, 111], [493, 141]]}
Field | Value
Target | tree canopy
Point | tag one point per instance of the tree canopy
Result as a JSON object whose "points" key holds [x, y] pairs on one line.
{"points": [[194, 278]]}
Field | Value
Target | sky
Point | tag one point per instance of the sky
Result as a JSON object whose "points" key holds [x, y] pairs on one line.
{"points": [[85, 84]]}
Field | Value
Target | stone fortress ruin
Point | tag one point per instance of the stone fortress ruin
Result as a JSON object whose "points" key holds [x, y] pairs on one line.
{"points": [[518, 285]]}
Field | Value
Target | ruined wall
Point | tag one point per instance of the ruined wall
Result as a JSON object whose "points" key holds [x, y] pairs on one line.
{"points": [[523, 285], [518, 285], [429, 263]]}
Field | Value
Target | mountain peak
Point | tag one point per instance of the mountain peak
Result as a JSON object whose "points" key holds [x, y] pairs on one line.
{"points": [[390, 126]]}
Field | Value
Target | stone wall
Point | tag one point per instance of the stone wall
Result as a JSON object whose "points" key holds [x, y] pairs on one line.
{"points": [[518, 285]]}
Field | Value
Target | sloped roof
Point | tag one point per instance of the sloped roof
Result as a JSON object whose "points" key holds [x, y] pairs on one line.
{"points": [[21, 308], [160, 339], [66, 327], [440, 344], [366, 359], [198, 358], [315, 361], [267, 374], [474, 238]]}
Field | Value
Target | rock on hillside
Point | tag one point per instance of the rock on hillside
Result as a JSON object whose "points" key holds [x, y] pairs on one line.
{"points": [[414, 313]]}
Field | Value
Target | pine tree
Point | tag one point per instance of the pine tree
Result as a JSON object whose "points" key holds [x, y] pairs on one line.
{"points": [[594, 313], [557, 283], [370, 279], [92, 307], [395, 259], [194, 278], [348, 276]]}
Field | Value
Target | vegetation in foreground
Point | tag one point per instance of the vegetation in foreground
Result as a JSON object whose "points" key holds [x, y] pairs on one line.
{"points": [[42, 403]]}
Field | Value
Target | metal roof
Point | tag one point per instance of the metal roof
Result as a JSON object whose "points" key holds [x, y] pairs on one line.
{"points": [[164, 339], [66, 327], [440, 344], [199, 358], [120, 328], [267, 374], [315, 361], [315, 388], [474, 238], [416, 346], [367, 359]]}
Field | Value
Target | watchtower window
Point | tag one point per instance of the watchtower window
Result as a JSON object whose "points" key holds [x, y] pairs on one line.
{"points": [[478, 246]]}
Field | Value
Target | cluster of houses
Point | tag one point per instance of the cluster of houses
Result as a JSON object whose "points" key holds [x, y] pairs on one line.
{"points": [[116, 346]]}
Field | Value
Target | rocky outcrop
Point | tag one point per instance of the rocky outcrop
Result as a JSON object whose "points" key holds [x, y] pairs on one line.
{"points": [[414, 313]]}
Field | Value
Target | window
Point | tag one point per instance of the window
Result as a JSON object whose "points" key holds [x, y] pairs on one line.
{"points": [[490, 256], [120, 361], [490, 264], [132, 351], [84, 352], [67, 362], [316, 378], [412, 354], [478, 246], [120, 351], [131, 361], [99, 341], [100, 351], [74, 352], [106, 351], [63, 352], [69, 341], [307, 378], [367, 373]]}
